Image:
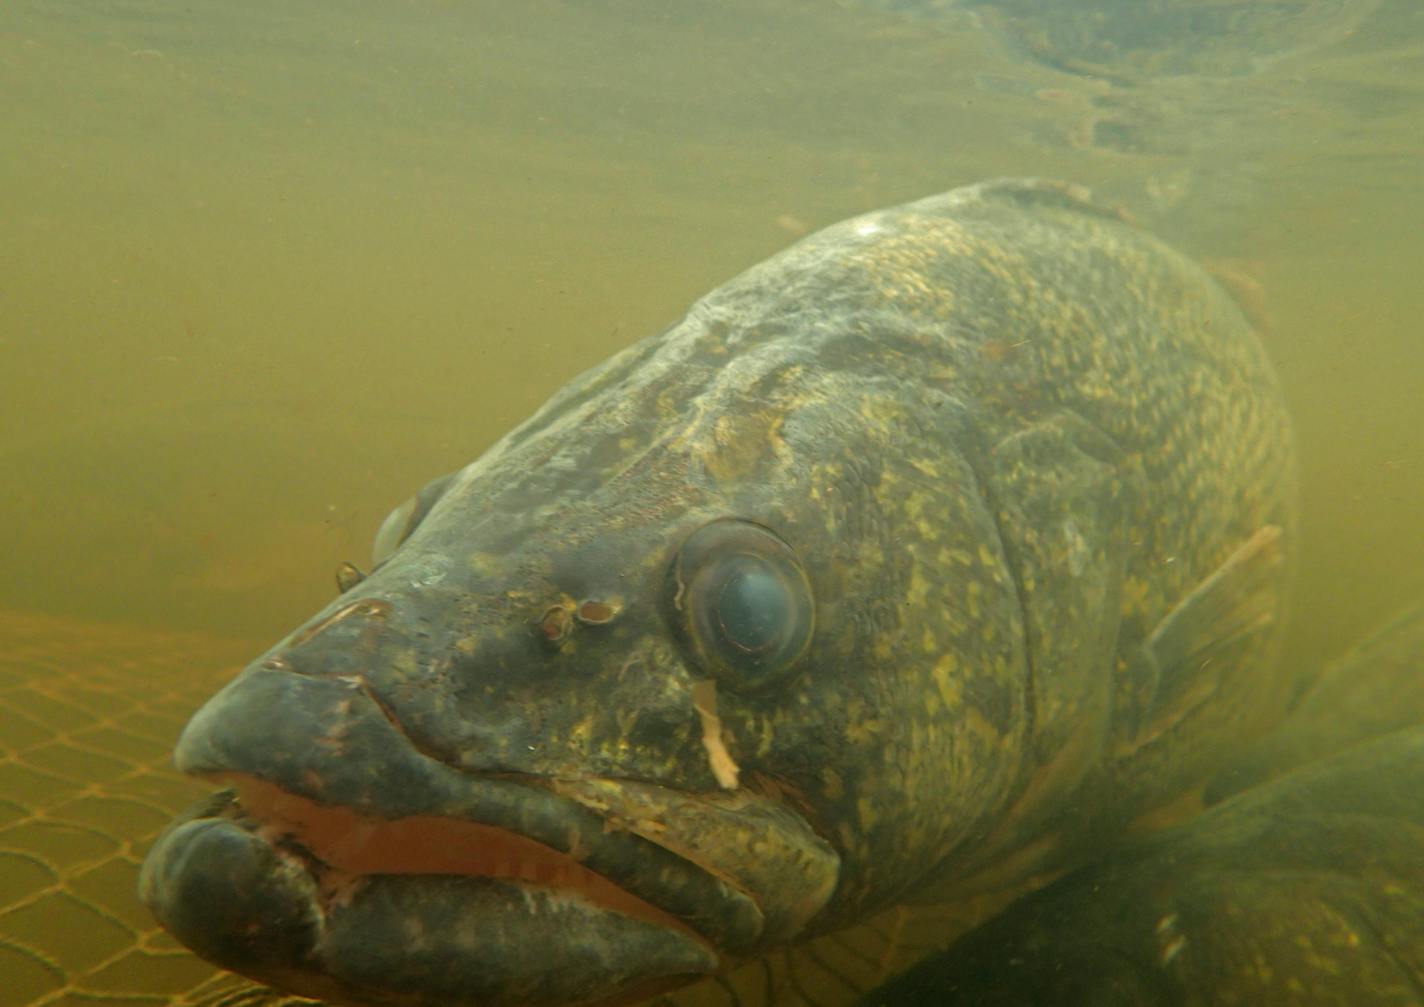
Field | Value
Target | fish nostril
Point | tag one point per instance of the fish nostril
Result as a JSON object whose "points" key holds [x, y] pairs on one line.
{"points": [[348, 575], [554, 626], [597, 613], [374, 610]]}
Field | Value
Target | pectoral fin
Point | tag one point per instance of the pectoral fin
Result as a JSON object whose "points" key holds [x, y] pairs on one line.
{"points": [[1303, 891], [1376, 688], [1205, 636]]}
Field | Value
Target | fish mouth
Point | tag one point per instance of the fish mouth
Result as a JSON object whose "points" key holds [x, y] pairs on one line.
{"points": [[354, 868]]}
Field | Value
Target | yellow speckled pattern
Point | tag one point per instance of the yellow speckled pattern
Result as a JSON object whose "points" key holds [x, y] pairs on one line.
{"points": [[1297, 890]]}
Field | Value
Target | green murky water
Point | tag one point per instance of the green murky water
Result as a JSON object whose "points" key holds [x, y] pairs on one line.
{"points": [[266, 267]]}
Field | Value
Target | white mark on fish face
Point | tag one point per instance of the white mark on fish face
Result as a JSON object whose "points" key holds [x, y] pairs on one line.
{"points": [[429, 571], [867, 227], [704, 701]]}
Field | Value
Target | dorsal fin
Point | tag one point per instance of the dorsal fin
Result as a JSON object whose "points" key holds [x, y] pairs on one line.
{"points": [[1050, 192]]}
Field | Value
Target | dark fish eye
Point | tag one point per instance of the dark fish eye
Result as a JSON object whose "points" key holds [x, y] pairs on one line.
{"points": [[399, 523], [741, 603], [753, 606]]}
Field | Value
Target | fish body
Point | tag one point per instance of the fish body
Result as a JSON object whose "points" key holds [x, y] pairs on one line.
{"points": [[913, 561], [1299, 888]]}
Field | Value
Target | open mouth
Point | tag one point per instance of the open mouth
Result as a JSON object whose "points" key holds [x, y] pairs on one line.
{"points": [[353, 868], [344, 848], [419, 910]]}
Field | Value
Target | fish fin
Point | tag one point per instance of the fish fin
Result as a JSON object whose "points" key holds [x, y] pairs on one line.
{"points": [[1312, 879], [1050, 192], [1377, 688], [1180, 664], [1240, 279]]}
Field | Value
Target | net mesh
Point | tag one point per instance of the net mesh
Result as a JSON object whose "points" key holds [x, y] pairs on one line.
{"points": [[88, 717]]}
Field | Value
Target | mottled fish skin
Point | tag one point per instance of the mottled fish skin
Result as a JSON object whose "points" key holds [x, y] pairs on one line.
{"points": [[1302, 888], [1011, 440]]}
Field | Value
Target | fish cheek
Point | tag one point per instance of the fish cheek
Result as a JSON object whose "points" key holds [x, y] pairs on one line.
{"points": [[907, 727]]}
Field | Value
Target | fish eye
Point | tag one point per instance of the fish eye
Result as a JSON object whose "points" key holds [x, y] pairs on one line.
{"points": [[741, 603], [399, 523]]}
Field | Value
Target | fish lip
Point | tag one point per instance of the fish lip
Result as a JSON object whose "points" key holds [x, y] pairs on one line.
{"points": [[260, 726], [249, 881], [257, 902]]}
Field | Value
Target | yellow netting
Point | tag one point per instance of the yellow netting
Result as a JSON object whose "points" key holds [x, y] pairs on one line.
{"points": [[88, 717]]}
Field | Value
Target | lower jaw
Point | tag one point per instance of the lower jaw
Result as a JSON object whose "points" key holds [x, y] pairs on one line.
{"points": [[270, 911], [449, 940]]}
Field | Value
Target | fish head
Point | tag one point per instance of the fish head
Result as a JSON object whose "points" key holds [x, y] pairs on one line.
{"points": [[716, 652]]}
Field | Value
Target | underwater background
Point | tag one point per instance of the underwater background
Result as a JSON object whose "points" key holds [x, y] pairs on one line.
{"points": [[265, 267]]}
